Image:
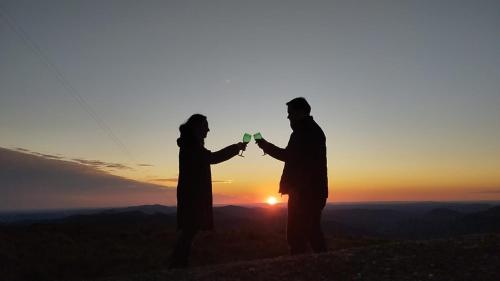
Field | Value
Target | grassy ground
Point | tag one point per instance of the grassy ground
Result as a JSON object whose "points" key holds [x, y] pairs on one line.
{"points": [[461, 258], [94, 250]]}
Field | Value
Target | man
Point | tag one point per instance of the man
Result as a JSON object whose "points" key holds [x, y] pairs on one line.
{"points": [[304, 178]]}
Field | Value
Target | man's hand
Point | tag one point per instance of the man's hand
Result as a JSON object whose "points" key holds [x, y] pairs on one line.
{"points": [[262, 143]]}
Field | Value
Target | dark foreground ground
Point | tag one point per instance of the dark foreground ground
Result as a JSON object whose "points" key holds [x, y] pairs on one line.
{"points": [[366, 242], [462, 258]]}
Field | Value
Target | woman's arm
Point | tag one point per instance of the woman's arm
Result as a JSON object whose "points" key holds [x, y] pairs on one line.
{"points": [[223, 154]]}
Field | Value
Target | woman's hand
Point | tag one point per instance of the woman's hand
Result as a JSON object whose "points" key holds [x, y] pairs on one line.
{"points": [[242, 146]]}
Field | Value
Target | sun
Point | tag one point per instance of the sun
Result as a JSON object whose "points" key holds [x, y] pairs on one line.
{"points": [[271, 200]]}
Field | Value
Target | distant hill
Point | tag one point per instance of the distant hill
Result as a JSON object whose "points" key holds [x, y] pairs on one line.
{"points": [[461, 258], [29, 217], [484, 221], [416, 208], [123, 217], [146, 209], [385, 220], [444, 213], [444, 223]]}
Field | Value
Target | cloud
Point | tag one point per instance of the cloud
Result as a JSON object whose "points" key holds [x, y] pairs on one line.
{"points": [[166, 180], [101, 164], [34, 181], [145, 165], [176, 180], [222, 181], [50, 156], [117, 166], [94, 163]]}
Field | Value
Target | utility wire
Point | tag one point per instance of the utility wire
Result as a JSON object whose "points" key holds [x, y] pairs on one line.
{"points": [[65, 83]]}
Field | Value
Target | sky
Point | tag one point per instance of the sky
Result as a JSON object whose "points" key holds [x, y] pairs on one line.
{"points": [[407, 93]]}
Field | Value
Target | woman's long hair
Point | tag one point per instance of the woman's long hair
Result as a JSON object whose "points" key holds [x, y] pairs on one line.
{"points": [[187, 129]]}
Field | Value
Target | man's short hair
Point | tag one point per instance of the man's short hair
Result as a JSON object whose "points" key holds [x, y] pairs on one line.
{"points": [[300, 104]]}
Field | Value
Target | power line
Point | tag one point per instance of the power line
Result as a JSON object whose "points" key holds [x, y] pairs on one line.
{"points": [[65, 83]]}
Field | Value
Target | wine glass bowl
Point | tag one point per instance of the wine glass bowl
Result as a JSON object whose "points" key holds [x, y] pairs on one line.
{"points": [[257, 136], [247, 138]]}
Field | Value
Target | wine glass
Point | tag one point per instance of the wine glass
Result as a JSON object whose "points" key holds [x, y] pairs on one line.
{"points": [[258, 136], [246, 139]]}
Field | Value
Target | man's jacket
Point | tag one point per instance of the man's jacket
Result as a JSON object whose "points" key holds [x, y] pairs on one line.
{"points": [[305, 171]]}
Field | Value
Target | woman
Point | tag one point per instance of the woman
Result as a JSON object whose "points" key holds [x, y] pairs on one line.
{"points": [[194, 189]]}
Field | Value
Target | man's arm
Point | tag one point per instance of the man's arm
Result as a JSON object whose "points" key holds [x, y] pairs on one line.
{"points": [[272, 150]]}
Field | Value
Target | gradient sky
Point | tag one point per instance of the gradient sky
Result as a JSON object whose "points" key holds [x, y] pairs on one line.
{"points": [[407, 92]]}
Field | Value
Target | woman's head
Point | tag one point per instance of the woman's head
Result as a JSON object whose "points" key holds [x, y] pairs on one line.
{"points": [[196, 126]]}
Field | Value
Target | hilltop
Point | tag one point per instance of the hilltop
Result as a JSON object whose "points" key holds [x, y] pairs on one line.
{"points": [[462, 258]]}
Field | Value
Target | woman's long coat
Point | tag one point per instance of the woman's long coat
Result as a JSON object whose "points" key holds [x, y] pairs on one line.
{"points": [[194, 189]]}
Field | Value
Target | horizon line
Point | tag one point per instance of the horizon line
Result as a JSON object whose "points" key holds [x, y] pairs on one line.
{"points": [[250, 204]]}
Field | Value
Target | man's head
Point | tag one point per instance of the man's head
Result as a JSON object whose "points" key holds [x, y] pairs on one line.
{"points": [[298, 109]]}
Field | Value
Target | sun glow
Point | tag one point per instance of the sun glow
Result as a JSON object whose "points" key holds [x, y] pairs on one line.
{"points": [[271, 200]]}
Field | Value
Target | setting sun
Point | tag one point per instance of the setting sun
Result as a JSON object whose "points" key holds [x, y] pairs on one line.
{"points": [[271, 200]]}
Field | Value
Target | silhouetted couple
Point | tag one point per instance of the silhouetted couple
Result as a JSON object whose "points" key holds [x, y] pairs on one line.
{"points": [[304, 180]]}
